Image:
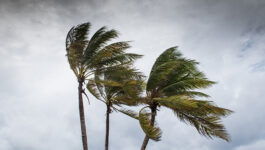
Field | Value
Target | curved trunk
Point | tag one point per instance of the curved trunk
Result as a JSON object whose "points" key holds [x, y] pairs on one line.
{"points": [[107, 127], [152, 122], [82, 116]]}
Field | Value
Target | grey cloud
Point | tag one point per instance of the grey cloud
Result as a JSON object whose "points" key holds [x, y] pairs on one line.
{"points": [[39, 95]]}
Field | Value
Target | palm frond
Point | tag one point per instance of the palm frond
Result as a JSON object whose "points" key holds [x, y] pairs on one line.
{"points": [[76, 42], [69, 38], [188, 84], [208, 108], [176, 75], [125, 58], [128, 112], [123, 99], [108, 52], [192, 106], [92, 88], [170, 54], [78, 33], [173, 71], [178, 102], [90, 52], [209, 126], [160, 74], [99, 40], [109, 83], [203, 115], [98, 76], [152, 132], [191, 94]]}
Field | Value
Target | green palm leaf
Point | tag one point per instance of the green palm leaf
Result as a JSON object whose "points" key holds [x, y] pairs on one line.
{"points": [[128, 112], [151, 131], [209, 126], [92, 88], [178, 102], [98, 41], [168, 55], [78, 33]]}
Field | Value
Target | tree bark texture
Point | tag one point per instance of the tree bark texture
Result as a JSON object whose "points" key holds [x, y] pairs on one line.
{"points": [[82, 116], [107, 127]]}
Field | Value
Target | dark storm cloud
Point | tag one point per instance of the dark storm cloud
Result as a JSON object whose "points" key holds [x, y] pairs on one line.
{"points": [[38, 91]]}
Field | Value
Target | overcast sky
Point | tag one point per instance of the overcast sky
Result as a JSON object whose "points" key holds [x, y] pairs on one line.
{"points": [[38, 91]]}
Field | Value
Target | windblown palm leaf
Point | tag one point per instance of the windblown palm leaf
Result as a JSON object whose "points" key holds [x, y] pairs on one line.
{"points": [[128, 112], [150, 130]]}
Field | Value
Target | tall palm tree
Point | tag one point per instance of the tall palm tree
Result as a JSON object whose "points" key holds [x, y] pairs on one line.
{"points": [[116, 87], [172, 84], [85, 56]]}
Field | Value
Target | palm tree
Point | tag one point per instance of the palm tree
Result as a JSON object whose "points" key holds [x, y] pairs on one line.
{"points": [[116, 87], [172, 84], [85, 56]]}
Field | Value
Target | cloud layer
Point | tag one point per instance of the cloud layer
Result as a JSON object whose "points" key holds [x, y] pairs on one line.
{"points": [[38, 105]]}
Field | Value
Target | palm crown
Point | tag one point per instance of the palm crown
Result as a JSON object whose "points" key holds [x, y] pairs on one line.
{"points": [[86, 55], [116, 86], [120, 85], [173, 83]]}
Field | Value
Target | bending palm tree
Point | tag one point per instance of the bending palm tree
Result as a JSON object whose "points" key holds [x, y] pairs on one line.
{"points": [[87, 55], [172, 84], [117, 86]]}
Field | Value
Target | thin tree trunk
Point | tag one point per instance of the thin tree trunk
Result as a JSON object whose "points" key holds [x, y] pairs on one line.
{"points": [[82, 116], [107, 127], [152, 122]]}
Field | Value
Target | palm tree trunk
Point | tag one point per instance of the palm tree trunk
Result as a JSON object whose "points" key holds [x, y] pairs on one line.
{"points": [[107, 127], [152, 122], [82, 116]]}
